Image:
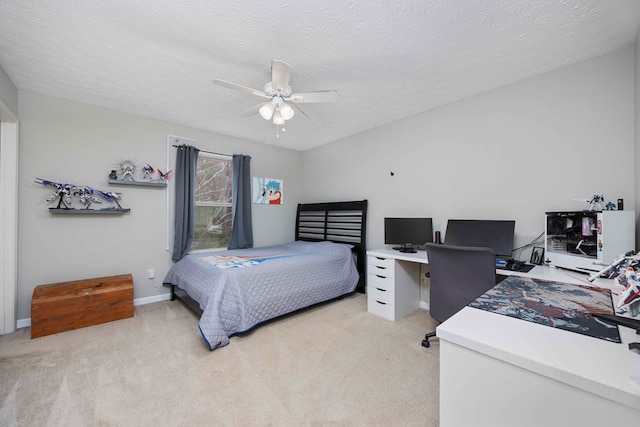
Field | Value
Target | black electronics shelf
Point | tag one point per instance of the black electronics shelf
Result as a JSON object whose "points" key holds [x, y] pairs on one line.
{"points": [[138, 183]]}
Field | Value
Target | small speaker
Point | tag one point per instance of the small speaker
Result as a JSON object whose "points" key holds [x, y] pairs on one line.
{"points": [[620, 204]]}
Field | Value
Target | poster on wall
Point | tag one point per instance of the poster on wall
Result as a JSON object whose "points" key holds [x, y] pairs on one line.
{"points": [[268, 191]]}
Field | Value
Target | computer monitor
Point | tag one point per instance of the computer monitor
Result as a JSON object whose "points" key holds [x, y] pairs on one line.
{"points": [[494, 234], [409, 233]]}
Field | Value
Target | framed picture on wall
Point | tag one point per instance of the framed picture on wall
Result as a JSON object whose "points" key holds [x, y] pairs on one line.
{"points": [[537, 256], [268, 191]]}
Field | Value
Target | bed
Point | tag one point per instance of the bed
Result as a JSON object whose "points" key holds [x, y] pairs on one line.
{"points": [[235, 291]]}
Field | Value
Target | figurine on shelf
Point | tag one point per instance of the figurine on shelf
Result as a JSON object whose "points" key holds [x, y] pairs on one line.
{"points": [[127, 171], [63, 192], [147, 170], [111, 196], [85, 194], [165, 177], [113, 175]]}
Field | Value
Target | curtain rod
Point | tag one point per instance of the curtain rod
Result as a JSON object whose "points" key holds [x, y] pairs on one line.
{"points": [[209, 152]]}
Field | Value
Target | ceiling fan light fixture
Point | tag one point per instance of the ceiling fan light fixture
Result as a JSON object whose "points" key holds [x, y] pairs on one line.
{"points": [[277, 118], [286, 111], [276, 92], [266, 111]]}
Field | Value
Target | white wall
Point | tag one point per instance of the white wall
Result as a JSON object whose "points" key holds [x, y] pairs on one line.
{"points": [[637, 139], [511, 153], [8, 98], [67, 141]]}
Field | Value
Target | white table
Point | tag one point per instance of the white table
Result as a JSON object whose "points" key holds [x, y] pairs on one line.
{"points": [[505, 371], [499, 371], [393, 281]]}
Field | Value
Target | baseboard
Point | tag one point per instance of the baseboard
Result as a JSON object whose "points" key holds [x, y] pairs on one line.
{"points": [[25, 323], [424, 305], [149, 300]]}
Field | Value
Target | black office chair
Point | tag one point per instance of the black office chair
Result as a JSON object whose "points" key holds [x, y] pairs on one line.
{"points": [[459, 275]]}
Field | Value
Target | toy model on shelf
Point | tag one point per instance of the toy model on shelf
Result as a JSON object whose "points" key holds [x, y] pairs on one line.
{"points": [[63, 192], [165, 176], [128, 173], [85, 194]]}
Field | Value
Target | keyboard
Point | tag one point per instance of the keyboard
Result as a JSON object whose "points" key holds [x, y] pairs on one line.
{"points": [[514, 265]]}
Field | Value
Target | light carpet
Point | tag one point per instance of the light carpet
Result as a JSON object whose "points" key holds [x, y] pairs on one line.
{"points": [[332, 365]]}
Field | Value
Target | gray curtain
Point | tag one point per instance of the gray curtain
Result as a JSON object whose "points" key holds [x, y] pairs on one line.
{"points": [[185, 203], [241, 231]]}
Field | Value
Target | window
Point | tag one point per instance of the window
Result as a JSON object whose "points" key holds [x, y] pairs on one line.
{"points": [[214, 177]]}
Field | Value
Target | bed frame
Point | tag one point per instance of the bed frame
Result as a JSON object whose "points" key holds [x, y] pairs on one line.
{"points": [[340, 222]]}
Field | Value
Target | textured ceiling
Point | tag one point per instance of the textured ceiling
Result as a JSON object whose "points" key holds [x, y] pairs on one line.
{"points": [[388, 59]]}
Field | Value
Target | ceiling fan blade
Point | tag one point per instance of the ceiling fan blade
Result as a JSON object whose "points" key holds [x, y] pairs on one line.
{"points": [[253, 110], [280, 75], [313, 97], [296, 108], [241, 88]]}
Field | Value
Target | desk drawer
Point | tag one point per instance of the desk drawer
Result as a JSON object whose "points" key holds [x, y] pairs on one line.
{"points": [[380, 308], [380, 262], [380, 294], [380, 266], [384, 283]]}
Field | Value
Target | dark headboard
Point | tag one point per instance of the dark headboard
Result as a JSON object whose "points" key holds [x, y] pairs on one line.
{"points": [[340, 222]]}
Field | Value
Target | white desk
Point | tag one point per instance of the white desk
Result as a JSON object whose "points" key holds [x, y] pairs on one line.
{"points": [[500, 371], [393, 281], [509, 372]]}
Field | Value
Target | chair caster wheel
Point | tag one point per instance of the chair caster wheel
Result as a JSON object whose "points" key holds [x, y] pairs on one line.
{"points": [[425, 343]]}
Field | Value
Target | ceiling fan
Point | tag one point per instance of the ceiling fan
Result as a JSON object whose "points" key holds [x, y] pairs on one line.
{"points": [[280, 105]]}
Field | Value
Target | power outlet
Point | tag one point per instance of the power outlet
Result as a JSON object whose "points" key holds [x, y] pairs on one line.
{"points": [[151, 273]]}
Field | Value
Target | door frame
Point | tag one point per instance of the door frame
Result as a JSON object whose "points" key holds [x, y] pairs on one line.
{"points": [[8, 226]]}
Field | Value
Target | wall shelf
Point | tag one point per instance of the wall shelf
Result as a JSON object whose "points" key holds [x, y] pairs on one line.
{"points": [[73, 211], [138, 183]]}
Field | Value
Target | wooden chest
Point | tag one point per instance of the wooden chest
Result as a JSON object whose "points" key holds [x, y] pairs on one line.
{"points": [[59, 307]]}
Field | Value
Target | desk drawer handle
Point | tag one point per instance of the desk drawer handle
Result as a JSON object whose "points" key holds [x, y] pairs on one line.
{"points": [[380, 302], [381, 268], [381, 259], [381, 290]]}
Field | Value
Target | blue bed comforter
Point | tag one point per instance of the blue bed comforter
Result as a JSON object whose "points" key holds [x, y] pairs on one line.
{"points": [[239, 289]]}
